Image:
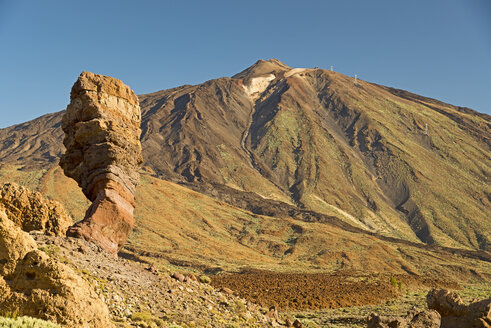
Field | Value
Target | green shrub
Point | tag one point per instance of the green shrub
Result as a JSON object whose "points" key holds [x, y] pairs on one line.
{"points": [[147, 318], [51, 250], [393, 281], [25, 322], [141, 316], [240, 307], [205, 279]]}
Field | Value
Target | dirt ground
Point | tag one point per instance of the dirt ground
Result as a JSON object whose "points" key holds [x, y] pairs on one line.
{"points": [[317, 291], [136, 296], [139, 295]]}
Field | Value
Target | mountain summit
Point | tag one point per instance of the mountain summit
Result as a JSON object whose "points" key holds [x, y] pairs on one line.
{"points": [[381, 159], [263, 67]]}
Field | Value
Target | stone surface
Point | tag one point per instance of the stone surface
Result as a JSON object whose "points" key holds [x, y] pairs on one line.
{"points": [[31, 211], [272, 315], [414, 319], [128, 289], [178, 276], [190, 277], [227, 291], [14, 244], [455, 313], [297, 324], [33, 284], [103, 154], [153, 269]]}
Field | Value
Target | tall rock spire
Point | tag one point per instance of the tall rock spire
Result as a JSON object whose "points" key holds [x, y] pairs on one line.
{"points": [[103, 154]]}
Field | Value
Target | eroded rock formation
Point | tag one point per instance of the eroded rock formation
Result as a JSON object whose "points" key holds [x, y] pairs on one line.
{"points": [[455, 313], [33, 284], [103, 154], [414, 319], [31, 211]]}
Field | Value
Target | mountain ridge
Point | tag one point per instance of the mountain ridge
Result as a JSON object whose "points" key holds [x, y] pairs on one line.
{"points": [[314, 139]]}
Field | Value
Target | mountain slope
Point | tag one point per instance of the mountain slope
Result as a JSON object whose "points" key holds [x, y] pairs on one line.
{"points": [[382, 159], [176, 226]]}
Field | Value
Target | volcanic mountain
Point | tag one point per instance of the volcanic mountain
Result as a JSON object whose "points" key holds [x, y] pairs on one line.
{"points": [[295, 142]]}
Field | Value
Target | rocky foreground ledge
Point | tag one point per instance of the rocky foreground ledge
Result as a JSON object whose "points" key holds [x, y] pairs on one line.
{"points": [[137, 294], [75, 283], [34, 284]]}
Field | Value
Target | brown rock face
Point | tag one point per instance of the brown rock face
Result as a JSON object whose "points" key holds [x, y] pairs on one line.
{"points": [[31, 211], [33, 284], [413, 319], [103, 154], [457, 314]]}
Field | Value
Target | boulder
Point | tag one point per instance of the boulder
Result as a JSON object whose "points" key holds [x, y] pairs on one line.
{"points": [[14, 245], [455, 313], [31, 211], [178, 276], [33, 284], [153, 269], [413, 319], [297, 324], [272, 315], [190, 277], [103, 154]]}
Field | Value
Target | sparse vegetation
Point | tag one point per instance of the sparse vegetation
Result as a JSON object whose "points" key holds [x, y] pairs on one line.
{"points": [[25, 322], [205, 279], [51, 250], [146, 319], [393, 281]]}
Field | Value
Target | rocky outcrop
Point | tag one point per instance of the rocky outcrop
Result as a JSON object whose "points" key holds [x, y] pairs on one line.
{"points": [[446, 310], [31, 211], [413, 319], [14, 245], [455, 313], [33, 284], [103, 154]]}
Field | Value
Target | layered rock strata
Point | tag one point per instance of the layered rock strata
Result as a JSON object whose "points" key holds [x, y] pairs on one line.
{"points": [[103, 154], [33, 284], [31, 211]]}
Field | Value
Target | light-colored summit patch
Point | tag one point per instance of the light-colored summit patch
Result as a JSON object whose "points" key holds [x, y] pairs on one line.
{"points": [[297, 71], [294, 71], [257, 85]]}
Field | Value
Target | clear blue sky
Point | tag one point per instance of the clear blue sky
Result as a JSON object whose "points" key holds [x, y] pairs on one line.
{"points": [[436, 48]]}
